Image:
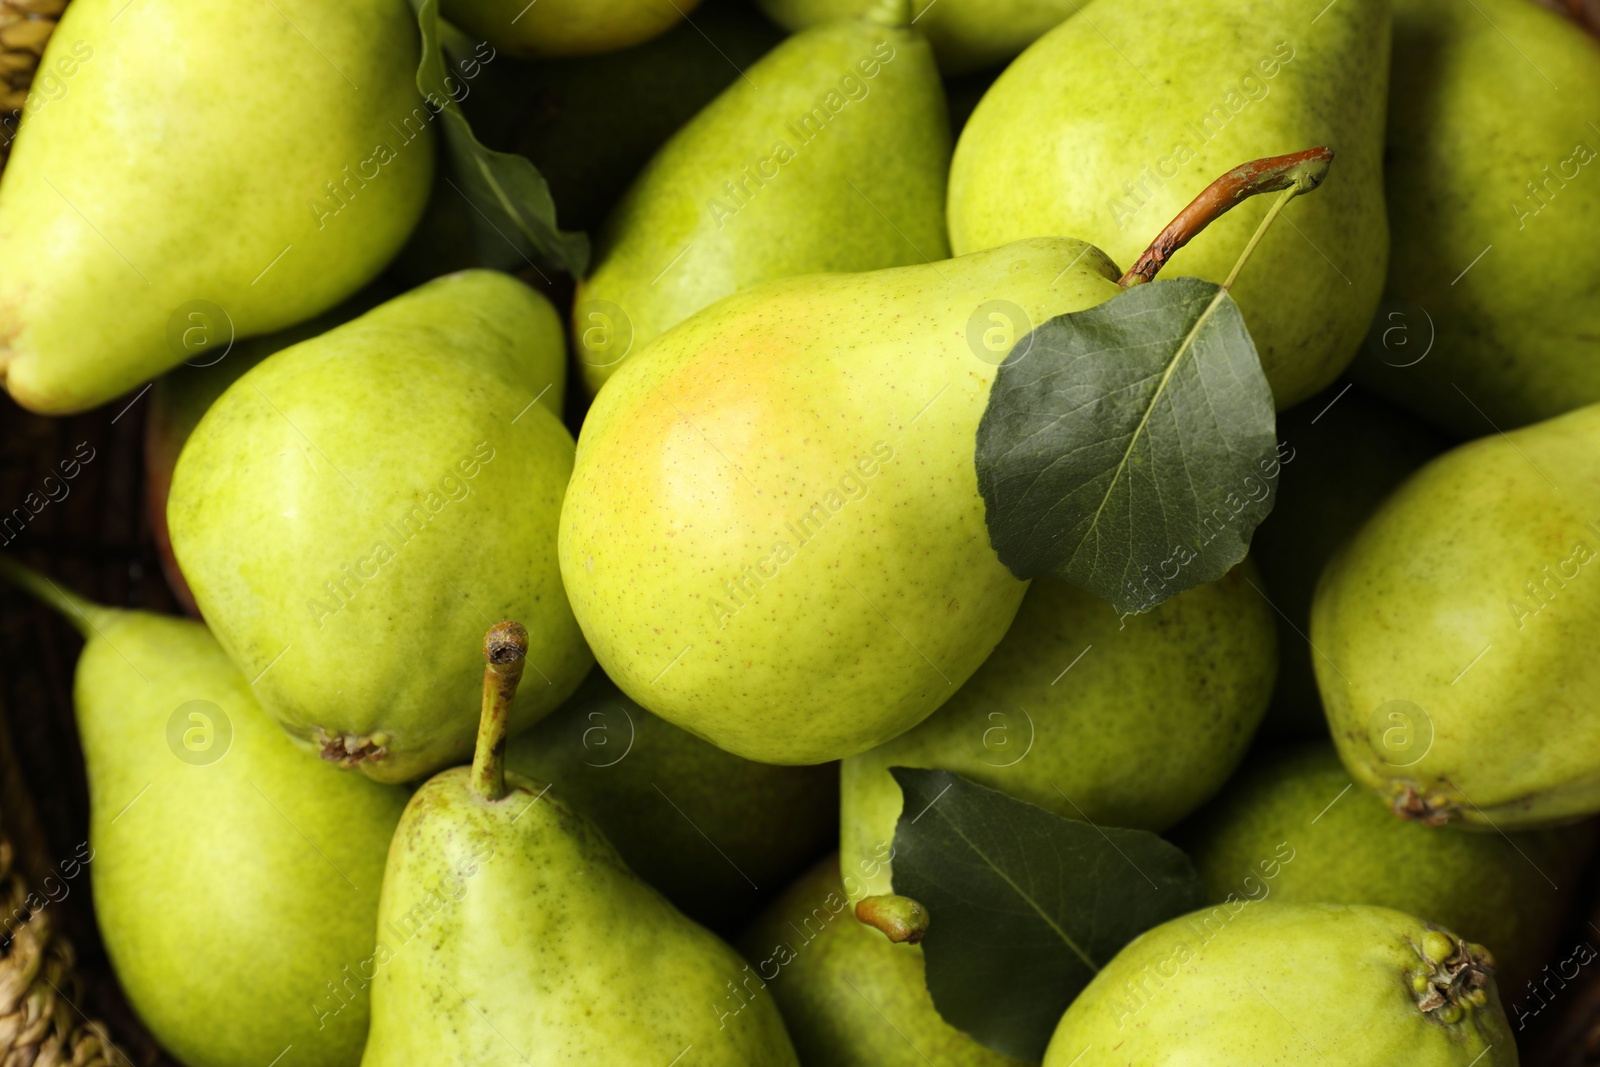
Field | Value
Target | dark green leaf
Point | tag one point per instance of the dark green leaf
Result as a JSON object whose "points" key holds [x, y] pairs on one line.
{"points": [[511, 206], [1026, 906], [1130, 448]]}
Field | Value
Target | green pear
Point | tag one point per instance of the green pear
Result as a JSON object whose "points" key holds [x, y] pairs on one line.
{"points": [[216, 844], [803, 614], [253, 162], [1342, 452], [711, 831], [1111, 124], [1289, 827], [1453, 633], [547, 28], [850, 996], [1495, 253], [399, 476], [1336, 985], [181, 396], [511, 933], [1129, 722], [591, 123], [830, 154], [966, 35]]}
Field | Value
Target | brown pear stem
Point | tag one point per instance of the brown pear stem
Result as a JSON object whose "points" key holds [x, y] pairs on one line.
{"points": [[901, 919], [1299, 171], [79, 612], [505, 649]]}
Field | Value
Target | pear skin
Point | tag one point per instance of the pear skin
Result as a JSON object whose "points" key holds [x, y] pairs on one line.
{"points": [[174, 174], [1496, 254], [713, 832], [216, 841], [1454, 629], [401, 475], [830, 154], [511, 933], [553, 28], [1130, 722], [1290, 828], [1341, 985], [806, 450], [850, 996], [1108, 124]]}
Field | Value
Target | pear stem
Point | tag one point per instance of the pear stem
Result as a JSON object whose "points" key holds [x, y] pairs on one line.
{"points": [[900, 919], [896, 14], [1296, 173], [79, 612], [505, 649]]}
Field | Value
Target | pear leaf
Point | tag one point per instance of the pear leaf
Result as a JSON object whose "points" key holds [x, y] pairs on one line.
{"points": [[1130, 448], [510, 200], [1025, 906]]}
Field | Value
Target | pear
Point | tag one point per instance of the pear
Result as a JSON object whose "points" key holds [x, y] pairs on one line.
{"points": [[711, 831], [1453, 633], [175, 127], [1340, 985], [1289, 827], [1109, 124], [181, 396], [966, 35], [204, 817], [830, 154], [1127, 722], [400, 475], [565, 27], [1342, 453], [795, 445], [511, 932], [1496, 254], [850, 996]]}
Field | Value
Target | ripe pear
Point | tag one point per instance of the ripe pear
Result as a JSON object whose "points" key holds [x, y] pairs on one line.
{"points": [[1077, 711], [966, 35], [511, 933], [548, 28], [830, 154], [798, 446], [1110, 124], [1496, 254], [204, 817], [850, 996], [181, 122], [1453, 633], [1342, 452], [711, 831], [400, 475], [1290, 828], [1341, 985]]}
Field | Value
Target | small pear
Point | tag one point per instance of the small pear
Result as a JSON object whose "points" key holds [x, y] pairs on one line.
{"points": [[1337, 985], [511, 933], [1342, 452], [1492, 276], [174, 175], [1290, 828], [830, 154], [711, 831], [795, 445], [1108, 124], [216, 844], [850, 996], [399, 475], [1130, 722], [1453, 633], [966, 35], [548, 28]]}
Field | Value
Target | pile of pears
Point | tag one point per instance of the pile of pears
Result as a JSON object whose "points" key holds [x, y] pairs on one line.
{"points": [[548, 642]]}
